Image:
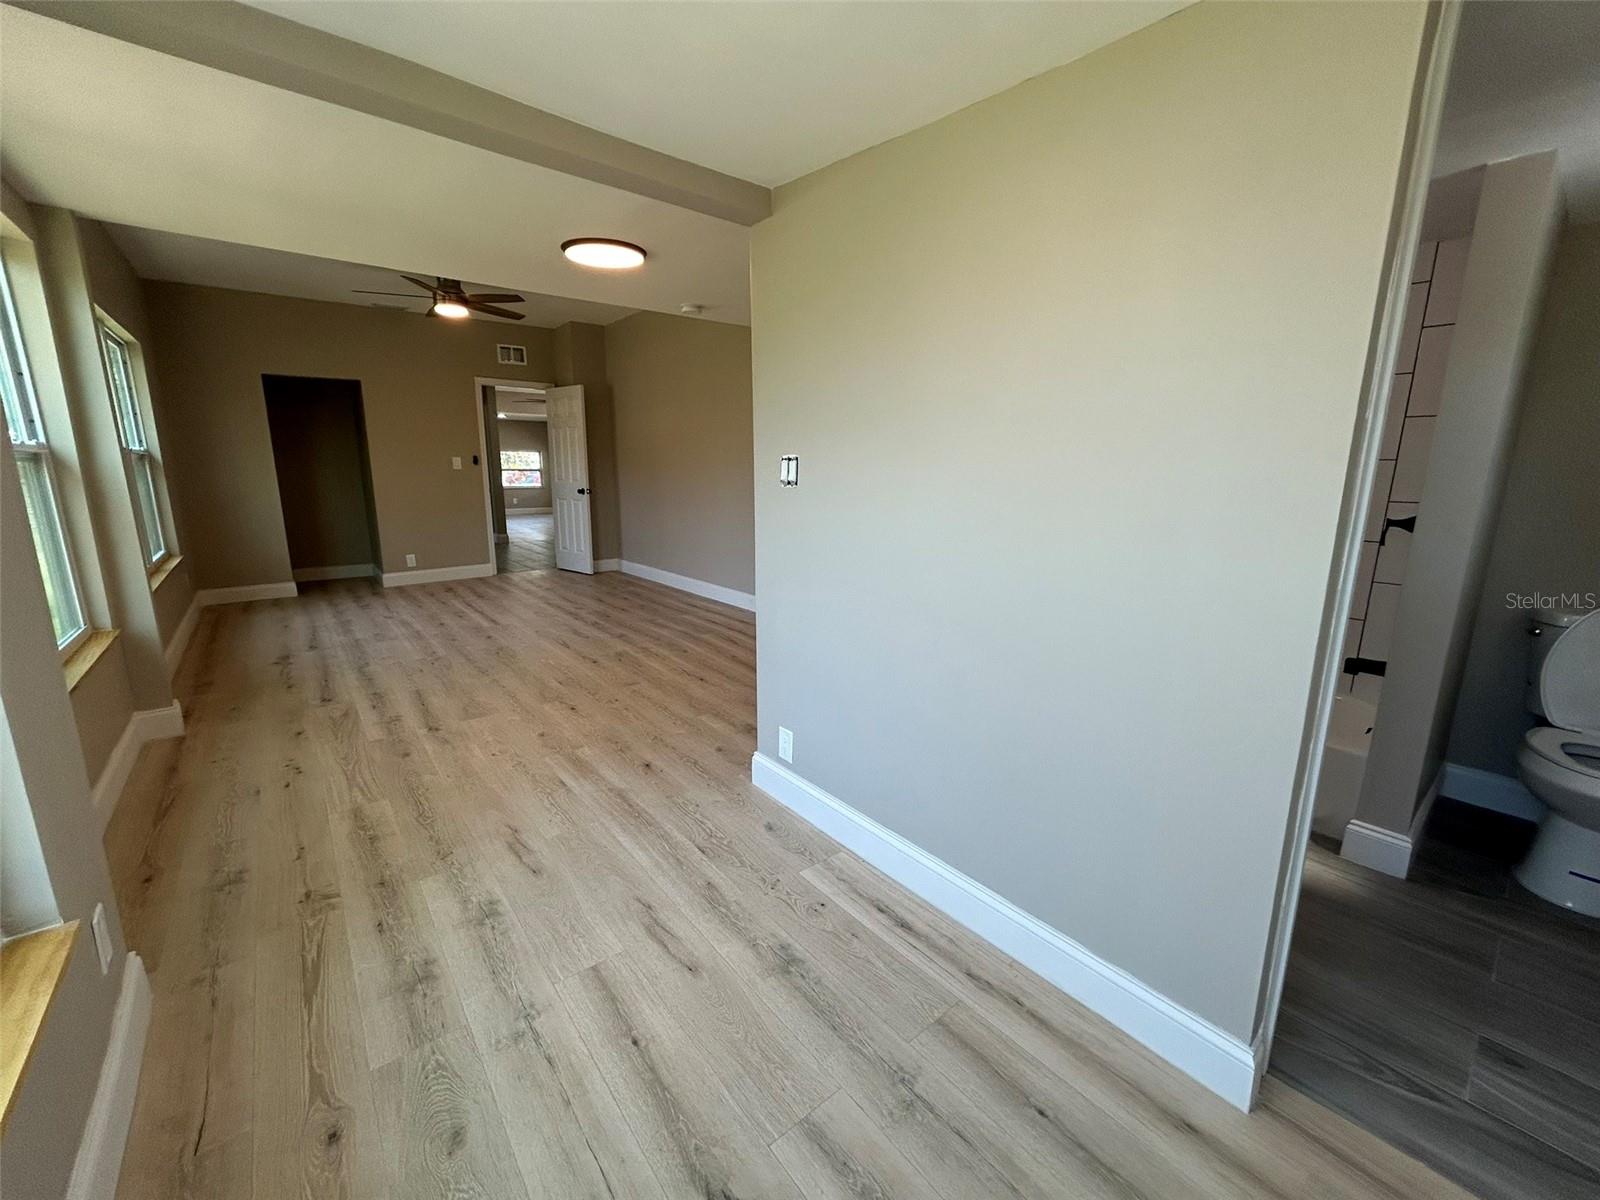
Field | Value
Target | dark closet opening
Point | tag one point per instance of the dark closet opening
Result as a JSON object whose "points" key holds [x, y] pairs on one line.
{"points": [[319, 448]]}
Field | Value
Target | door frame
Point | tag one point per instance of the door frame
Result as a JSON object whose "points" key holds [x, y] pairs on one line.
{"points": [[479, 382], [1427, 107]]}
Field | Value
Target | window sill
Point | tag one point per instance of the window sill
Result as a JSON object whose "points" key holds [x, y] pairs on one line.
{"points": [[85, 656], [31, 970], [162, 569]]}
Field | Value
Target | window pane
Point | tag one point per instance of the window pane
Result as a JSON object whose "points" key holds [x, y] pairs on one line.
{"points": [[119, 371], [15, 387], [520, 460], [149, 511], [529, 479], [51, 544]]}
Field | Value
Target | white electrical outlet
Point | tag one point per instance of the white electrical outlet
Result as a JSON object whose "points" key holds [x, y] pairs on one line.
{"points": [[102, 937], [785, 744], [455, 462], [411, 560]]}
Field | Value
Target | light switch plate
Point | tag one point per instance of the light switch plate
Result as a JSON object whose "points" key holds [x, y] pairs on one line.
{"points": [[455, 462], [411, 560]]}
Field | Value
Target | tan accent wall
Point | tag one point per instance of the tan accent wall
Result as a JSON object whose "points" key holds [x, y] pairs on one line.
{"points": [[416, 374], [102, 705], [580, 357], [681, 388], [119, 292], [526, 435], [81, 271], [1073, 376]]}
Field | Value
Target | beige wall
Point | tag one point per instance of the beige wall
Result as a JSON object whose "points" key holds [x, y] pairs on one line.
{"points": [[118, 291], [416, 375], [319, 452], [684, 459], [1547, 538], [1089, 302], [526, 435], [47, 1122]]}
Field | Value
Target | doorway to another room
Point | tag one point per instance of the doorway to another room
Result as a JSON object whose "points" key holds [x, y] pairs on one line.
{"points": [[536, 473], [525, 539]]}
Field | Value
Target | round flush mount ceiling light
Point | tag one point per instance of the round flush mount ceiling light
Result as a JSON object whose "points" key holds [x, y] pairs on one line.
{"points": [[454, 309], [607, 254]]}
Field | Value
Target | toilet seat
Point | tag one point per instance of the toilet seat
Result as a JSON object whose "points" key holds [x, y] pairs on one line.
{"points": [[1552, 745]]}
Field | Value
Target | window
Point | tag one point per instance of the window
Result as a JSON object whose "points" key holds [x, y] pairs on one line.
{"points": [[36, 469], [142, 466], [521, 468]]}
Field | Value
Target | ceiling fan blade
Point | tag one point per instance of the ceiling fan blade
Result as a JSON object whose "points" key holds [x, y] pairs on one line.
{"points": [[493, 298], [494, 311], [370, 292], [429, 286]]}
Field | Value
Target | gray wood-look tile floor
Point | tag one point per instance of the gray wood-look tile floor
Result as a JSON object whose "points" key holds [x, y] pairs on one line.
{"points": [[1453, 1013], [532, 544]]}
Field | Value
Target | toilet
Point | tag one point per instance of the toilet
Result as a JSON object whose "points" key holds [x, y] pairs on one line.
{"points": [[1560, 762]]}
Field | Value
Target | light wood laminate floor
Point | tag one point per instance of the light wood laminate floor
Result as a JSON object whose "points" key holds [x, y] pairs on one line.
{"points": [[462, 891]]}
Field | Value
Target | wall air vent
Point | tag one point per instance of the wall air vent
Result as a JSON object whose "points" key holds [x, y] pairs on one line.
{"points": [[515, 356]]}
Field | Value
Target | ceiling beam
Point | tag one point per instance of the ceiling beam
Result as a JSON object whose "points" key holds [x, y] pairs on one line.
{"points": [[273, 50]]}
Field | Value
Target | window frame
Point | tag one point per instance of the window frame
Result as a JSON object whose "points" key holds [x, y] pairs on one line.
{"points": [[141, 467], [538, 454], [31, 441]]}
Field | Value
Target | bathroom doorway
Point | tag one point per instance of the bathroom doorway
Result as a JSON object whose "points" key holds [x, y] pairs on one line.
{"points": [[1438, 988], [324, 470]]}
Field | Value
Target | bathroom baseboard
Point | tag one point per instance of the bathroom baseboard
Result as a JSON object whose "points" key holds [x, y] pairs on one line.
{"points": [[1488, 789], [1214, 1057], [1381, 849]]}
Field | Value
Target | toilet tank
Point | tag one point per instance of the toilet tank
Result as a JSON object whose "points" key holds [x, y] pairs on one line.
{"points": [[1546, 625]]}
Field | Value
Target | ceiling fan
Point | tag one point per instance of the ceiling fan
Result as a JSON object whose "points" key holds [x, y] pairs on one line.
{"points": [[449, 299]]}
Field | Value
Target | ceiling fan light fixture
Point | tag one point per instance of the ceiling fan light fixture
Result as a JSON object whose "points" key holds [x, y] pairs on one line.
{"points": [[606, 254], [454, 309]]}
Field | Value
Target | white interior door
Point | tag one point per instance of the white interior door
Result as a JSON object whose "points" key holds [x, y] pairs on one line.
{"points": [[569, 479]]}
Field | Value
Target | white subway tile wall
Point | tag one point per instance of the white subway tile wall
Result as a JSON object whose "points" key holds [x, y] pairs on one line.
{"points": [[1403, 455]]}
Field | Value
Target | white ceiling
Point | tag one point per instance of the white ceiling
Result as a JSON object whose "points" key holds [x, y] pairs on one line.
{"points": [[127, 135], [182, 259], [1526, 77], [763, 91]]}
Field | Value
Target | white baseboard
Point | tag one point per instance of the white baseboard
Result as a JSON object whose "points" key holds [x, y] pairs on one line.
{"points": [[105, 1135], [699, 587], [1488, 789], [180, 637], [1219, 1060], [1381, 849], [602, 565], [146, 725], [512, 510], [348, 571], [437, 574], [251, 591]]}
